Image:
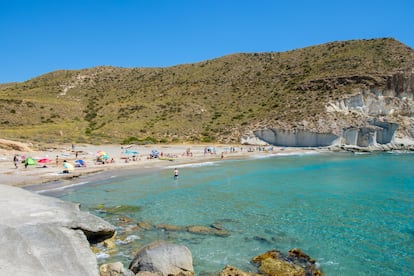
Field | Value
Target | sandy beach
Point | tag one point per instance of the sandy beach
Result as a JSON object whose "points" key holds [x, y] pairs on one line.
{"points": [[122, 157]]}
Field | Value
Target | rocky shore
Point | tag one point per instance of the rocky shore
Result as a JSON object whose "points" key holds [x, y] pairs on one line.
{"points": [[54, 237], [47, 236]]}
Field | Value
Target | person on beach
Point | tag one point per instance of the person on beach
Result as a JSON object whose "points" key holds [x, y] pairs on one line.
{"points": [[15, 160], [65, 170], [175, 173]]}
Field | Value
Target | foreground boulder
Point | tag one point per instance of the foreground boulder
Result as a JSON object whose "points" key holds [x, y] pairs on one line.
{"points": [[46, 236], [162, 258]]}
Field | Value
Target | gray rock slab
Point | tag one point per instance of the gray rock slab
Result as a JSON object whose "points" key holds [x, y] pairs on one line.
{"points": [[40, 235]]}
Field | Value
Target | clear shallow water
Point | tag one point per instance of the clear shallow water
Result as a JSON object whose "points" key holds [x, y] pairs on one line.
{"points": [[354, 214]]}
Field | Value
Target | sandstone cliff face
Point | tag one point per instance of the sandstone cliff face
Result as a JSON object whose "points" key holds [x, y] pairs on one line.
{"points": [[367, 118]]}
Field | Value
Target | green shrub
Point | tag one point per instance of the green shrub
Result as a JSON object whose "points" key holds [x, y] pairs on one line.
{"points": [[129, 140], [135, 140]]}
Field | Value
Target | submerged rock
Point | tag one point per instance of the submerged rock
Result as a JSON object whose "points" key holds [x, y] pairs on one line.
{"points": [[170, 227], [214, 229], [217, 226], [121, 209], [203, 230], [145, 225], [41, 235]]}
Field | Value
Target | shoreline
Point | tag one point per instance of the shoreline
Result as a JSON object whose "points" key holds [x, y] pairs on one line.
{"points": [[50, 176], [40, 176]]}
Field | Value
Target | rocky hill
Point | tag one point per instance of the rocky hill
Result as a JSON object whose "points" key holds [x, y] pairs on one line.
{"points": [[354, 92]]}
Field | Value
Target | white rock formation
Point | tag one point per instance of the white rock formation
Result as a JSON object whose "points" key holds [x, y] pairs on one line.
{"points": [[41, 235]]}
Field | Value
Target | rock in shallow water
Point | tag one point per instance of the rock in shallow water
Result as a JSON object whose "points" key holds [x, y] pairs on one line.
{"points": [[164, 258], [294, 263], [115, 269]]}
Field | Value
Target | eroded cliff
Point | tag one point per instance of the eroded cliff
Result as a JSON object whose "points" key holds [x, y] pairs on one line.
{"points": [[366, 118]]}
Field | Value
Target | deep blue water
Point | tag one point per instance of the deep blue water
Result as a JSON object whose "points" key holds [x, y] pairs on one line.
{"points": [[354, 214]]}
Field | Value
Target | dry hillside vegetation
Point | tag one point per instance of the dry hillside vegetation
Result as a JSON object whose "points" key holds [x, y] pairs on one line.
{"points": [[211, 101]]}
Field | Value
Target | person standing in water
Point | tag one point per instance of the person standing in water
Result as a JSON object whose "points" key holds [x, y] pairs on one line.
{"points": [[175, 173]]}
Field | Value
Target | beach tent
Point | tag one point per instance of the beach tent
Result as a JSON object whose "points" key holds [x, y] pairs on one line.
{"points": [[29, 161]]}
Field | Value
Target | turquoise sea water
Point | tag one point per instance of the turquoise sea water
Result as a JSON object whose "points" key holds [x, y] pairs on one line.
{"points": [[354, 214]]}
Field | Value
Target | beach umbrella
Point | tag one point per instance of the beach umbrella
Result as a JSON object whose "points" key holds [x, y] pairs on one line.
{"points": [[44, 160], [80, 162], [68, 166], [103, 155], [154, 153], [131, 152]]}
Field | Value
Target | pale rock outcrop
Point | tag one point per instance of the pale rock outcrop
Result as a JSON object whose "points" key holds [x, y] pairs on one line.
{"points": [[252, 139], [379, 133], [115, 269], [296, 138], [41, 235], [164, 258]]}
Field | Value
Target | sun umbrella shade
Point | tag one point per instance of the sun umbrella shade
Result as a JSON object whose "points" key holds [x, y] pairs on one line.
{"points": [[80, 162], [154, 154], [102, 155], [44, 160], [131, 152]]}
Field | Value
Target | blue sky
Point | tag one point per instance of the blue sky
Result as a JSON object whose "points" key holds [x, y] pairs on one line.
{"points": [[40, 36]]}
